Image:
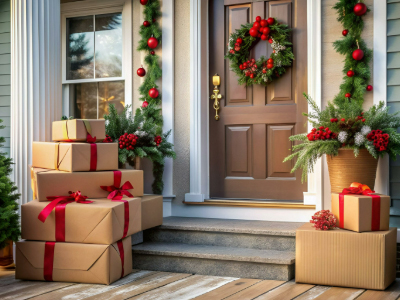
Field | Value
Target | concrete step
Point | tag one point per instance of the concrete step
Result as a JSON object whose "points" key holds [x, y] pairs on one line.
{"points": [[214, 260], [260, 235]]}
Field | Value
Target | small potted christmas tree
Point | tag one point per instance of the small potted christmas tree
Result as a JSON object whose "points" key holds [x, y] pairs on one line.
{"points": [[9, 217]]}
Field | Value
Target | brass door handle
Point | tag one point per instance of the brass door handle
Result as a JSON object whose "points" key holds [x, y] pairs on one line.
{"points": [[216, 96]]}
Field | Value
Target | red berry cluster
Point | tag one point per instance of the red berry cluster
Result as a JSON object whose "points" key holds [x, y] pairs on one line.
{"points": [[334, 120], [380, 139], [321, 134], [239, 41], [361, 118], [249, 67], [158, 140], [323, 220], [127, 141], [108, 139], [261, 28]]}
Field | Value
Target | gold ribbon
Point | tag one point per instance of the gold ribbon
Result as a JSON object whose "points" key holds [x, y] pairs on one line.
{"points": [[56, 156], [87, 125], [33, 183], [65, 130]]}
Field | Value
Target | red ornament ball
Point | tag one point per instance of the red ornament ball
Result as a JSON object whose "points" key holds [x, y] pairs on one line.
{"points": [[347, 95], [270, 61], [263, 23], [270, 41], [266, 30], [256, 25], [251, 75], [358, 54], [153, 93], [350, 73], [345, 32], [271, 21], [264, 37], [152, 42], [146, 23], [145, 104], [253, 32], [270, 66], [369, 88], [141, 71], [239, 40], [143, 2], [152, 53], [360, 9], [258, 19]]}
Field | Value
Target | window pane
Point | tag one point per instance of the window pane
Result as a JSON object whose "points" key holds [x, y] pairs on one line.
{"points": [[108, 45], [80, 48], [84, 97], [111, 92]]}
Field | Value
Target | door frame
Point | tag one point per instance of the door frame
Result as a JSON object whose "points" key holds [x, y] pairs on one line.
{"points": [[199, 97]]}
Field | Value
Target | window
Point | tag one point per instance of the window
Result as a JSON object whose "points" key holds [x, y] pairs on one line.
{"points": [[96, 63]]}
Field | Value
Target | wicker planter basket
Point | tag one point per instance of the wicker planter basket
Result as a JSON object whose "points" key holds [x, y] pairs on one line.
{"points": [[345, 169]]}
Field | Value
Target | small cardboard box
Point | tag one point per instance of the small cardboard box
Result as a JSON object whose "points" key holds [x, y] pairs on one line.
{"points": [[73, 262], [46, 183], [344, 258], [74, 157], [152, 211], [103, 221], [75, 130], [358, 212]]}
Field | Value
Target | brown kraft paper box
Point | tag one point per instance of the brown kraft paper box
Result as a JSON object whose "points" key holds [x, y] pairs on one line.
{"points": [[344, 258], [152, 211], [103, 221], [75, 130], [73, 262], [47, 183], [74, 157], [358, 212]]}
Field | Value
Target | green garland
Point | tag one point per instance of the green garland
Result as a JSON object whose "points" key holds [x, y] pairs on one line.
{"points": [[260, 71], [357, 84]]}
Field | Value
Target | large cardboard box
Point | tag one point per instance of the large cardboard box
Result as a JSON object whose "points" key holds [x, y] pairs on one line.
{"points": [[152, 211], [73, 262], [74, 157], [344, 258], [46, 183], [75, 130], [100, 222], [359, 213]]}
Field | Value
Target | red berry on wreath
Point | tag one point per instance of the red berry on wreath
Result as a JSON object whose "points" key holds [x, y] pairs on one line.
{"points": [[154, 20], [345, 32], [146, 23], [256, 25], [245, 65], [273, 51], [347, 95], [343, 119], [266, 30], [263, 23], [253, 32], [239, 40], [363, 120], [271, 21], [270, 66], [141, 71], [145, 104], [251, 75], [350, 73], [264, 71], [369, 88], [271, 41], [241, 67], [153, 93], [152, 53], [360, 9], [152, 42], [143, 2], [258, 19], [358, 54], [259, 35], [270, 61], [264, 37]]}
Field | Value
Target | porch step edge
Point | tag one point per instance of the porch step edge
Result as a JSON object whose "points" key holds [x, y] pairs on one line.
{"points": [[216, 253], [231, 226]]}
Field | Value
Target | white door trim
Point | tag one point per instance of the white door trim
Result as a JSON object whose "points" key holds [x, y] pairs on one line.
{"points": [[199, 98]]}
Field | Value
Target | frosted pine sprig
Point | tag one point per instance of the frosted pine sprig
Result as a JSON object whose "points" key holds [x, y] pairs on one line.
{"points": [[365, 130], [359, 139], [342, 136]]}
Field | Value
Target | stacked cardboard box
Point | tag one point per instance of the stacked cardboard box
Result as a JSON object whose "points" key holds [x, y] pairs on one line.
{"points": [[78, 227], [359, 253]]}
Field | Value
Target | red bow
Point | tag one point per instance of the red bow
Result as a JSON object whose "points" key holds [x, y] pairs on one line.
{"points": [[117, 191], [90, 139], [356, 191], [58, 200]]}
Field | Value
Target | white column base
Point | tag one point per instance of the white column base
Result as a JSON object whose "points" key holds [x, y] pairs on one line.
{"points": [[192, 197], [167, 205]]}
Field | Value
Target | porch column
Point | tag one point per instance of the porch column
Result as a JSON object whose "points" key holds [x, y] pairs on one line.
{"points": [[35, 81]]}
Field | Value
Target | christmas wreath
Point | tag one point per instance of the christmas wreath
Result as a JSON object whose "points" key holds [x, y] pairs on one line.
{"points": [[264, 70]]}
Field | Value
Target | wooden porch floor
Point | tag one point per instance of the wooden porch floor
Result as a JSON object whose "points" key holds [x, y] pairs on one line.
{"points": [[148, 285]]}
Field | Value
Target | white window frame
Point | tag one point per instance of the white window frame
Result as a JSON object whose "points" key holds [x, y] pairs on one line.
{"points": [[97, 7]]}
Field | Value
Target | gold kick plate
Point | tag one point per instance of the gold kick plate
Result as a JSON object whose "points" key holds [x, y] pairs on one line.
{"points": [[216, 96]]}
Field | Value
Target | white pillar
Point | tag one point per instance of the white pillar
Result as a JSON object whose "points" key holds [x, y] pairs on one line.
{"points": [[35, 81]]}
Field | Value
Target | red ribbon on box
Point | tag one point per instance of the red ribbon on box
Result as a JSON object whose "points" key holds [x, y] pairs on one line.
{"points": [[93, 157], [376, 206], [48, 260], [121, 255], [59, 203], [117, 192]]}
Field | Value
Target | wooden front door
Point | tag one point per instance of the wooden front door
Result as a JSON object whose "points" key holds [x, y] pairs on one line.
{"points": [[250, 141]]}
